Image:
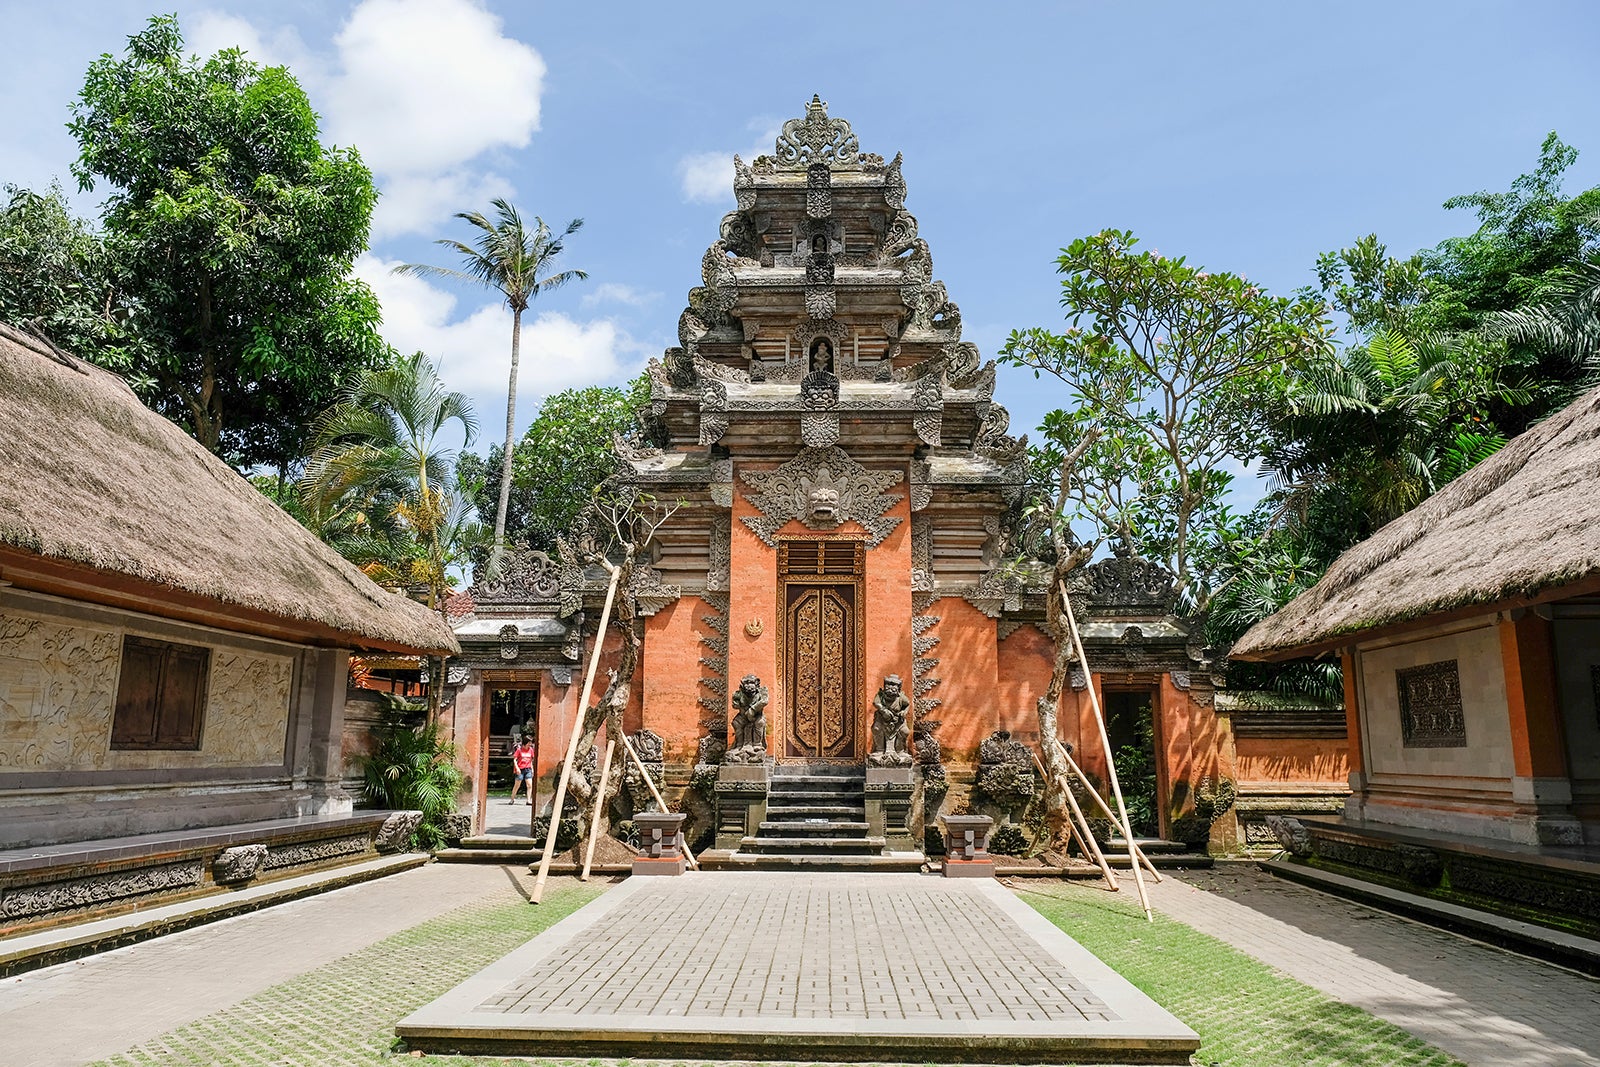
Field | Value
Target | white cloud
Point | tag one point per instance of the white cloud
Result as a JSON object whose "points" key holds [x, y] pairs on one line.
{"points": [[426, 90], [708, 176], [617, 293], [473, 353]]}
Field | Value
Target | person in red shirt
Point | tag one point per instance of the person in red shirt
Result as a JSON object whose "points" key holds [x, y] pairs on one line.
{"points": [[522, 764]]}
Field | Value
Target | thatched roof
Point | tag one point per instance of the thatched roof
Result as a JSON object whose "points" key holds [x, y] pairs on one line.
{"points": [[1519, 528], [91, 477]]}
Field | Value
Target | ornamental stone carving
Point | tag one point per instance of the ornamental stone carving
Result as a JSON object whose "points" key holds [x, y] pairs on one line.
{"points": [[749, 722], [238, 864], [889, 727], [1125, 584], [98, 889], [822, 488], [395, 833], [525, 575], [816, 139]]}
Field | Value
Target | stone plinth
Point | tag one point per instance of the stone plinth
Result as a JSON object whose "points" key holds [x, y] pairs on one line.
{"points": [[660, 841], [741, 802], [888, 796], [966, 846]]}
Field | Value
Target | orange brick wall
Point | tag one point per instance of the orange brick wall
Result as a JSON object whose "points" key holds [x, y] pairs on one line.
{"points": [[969, 673], [1272, 763], [669, 676]]}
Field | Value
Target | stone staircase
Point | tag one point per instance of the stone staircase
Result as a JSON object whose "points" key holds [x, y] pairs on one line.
{"points": [[1166, 855], [816, 820]]}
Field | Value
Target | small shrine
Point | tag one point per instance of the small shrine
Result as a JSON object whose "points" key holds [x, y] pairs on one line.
{"points": [[834, 622]]}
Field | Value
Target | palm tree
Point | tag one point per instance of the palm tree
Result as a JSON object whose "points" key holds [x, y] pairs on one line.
{"points": [[376, 453], [515, 261], [1565, 322]]}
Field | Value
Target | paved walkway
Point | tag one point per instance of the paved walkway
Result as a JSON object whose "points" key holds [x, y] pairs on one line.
{"points": [[1484, 1005], [82, 1011], [829, 965]]}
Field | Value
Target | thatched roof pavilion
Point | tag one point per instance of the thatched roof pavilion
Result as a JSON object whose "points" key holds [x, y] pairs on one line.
{"points": [[103, 500], [1521, 528]]}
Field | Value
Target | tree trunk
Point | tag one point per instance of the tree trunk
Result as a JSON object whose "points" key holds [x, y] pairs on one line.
{"points": [[610, 707], [1055, 802], [511, 429]]}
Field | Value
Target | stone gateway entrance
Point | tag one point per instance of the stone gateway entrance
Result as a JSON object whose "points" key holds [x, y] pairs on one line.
{"points": [[849, 512], [821, 647]]}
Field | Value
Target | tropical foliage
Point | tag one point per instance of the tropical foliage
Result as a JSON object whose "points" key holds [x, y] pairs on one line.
{"points": [[566, 452], [222, 283], [517, 262], [412, 768]]}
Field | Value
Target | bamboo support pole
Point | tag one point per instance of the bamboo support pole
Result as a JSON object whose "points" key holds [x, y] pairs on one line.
{"points": [[627, 746], [1134, 850], [1105, 743], [572, 742], [1079, 827], [599, 807]]}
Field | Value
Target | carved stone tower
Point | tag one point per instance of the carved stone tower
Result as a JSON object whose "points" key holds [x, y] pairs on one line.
{"points": [[844, 469]]}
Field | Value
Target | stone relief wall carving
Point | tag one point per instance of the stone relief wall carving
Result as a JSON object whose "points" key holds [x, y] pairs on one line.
{"points": [[24, 902], [247, 713], [58, 688], [714, 678], [822, 488]]}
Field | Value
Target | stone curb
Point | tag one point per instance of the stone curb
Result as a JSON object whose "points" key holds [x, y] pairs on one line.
{"points": [[1530, 939], [28, 952]]}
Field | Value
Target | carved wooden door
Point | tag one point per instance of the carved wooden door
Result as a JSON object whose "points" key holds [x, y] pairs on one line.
{"points": [[822, 672]]}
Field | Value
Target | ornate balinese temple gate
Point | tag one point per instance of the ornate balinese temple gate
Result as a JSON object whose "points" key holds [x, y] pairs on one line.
{"points": [[845, 492]]}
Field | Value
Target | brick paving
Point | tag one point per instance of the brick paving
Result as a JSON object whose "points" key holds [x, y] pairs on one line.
{"points": [[761, 966], [778, 947], [78, 1012], [1482, 1004]]}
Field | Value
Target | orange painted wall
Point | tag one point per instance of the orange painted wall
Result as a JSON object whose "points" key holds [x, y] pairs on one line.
{"points": [[1023, 663], [886, 607], [969, 682], [558, 705], [669, 675], [1273, 762]]}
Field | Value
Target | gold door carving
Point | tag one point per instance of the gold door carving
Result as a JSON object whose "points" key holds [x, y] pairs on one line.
{"points": [[822, 672]]}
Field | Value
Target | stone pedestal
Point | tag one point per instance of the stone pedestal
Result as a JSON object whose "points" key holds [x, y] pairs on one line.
{"points": [[661, 842], [741, 802], [888, 794], [966, 846]]}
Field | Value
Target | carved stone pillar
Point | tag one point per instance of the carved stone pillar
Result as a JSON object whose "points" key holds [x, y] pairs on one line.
{"points": [[888, 793], [741, 802], [660, 841]]}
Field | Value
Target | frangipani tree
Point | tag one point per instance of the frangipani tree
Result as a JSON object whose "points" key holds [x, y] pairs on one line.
{"points": [[516, 261]]}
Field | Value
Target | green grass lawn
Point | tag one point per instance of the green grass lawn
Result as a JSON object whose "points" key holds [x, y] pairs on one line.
{"points": [[344, 1012], [1246, 1013]]}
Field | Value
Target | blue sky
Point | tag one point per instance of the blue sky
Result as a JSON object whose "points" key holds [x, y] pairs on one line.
{"points": [[1248, 137]]}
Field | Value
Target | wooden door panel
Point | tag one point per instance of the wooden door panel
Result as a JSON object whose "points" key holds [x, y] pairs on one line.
{"points": [[820, 633]]}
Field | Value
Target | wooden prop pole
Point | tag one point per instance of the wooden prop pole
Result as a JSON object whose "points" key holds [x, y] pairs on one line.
{"points": [[1105, 743], [599, 806], [1079, 827], [1134, 850], [627, 746], [572, 742]]}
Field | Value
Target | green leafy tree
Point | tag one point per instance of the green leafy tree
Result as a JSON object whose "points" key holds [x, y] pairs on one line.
{"points": [[516, 262], [566, 452], [56, 277], [233, 231], [1173, 374]]}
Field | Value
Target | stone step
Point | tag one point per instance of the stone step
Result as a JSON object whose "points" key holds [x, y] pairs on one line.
{"points": [[812, 796], [792, 812], [812, 828], [720, 860], [840, 781], [499, 841], [812, 846], [1150, 846]]}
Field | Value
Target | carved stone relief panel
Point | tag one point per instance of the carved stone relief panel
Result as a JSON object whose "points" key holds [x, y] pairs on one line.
{"points": [[822, 488], [247, 717], [58, 686]]}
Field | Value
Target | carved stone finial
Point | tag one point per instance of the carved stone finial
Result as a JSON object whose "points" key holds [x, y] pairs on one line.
{"points": [[816, 139]]}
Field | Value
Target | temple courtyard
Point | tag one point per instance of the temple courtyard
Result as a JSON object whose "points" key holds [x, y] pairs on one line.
{"points": [[1265, 972]]}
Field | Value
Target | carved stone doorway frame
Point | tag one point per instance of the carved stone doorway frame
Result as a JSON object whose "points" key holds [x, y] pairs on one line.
{"points": [[790, 577]]}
